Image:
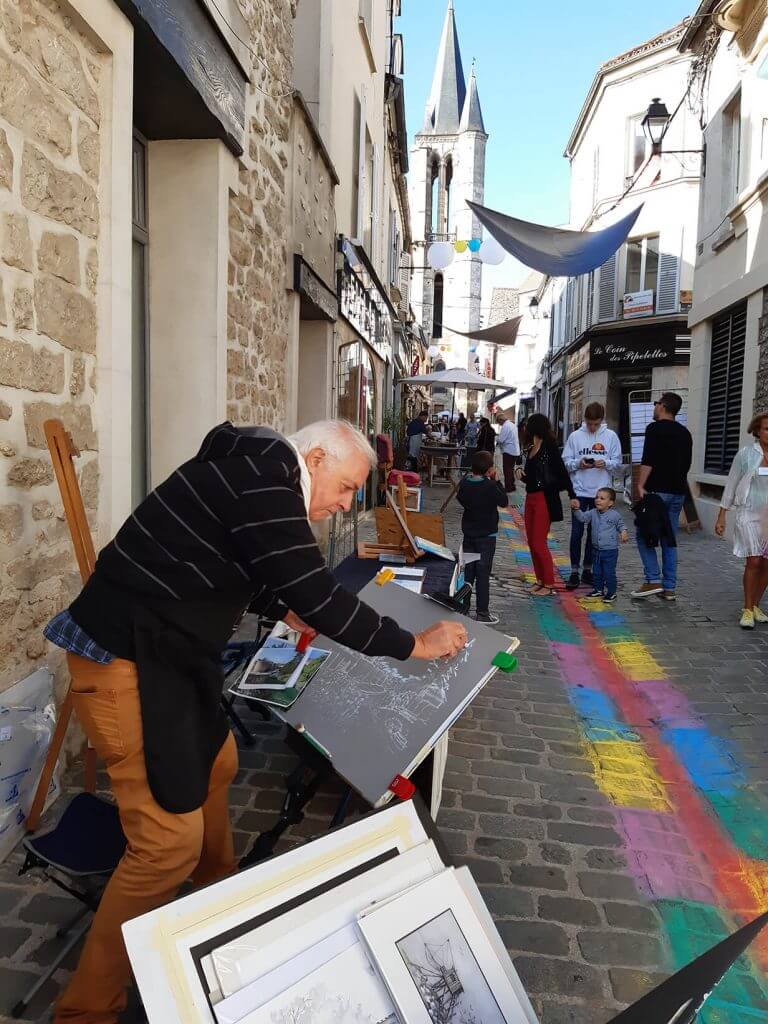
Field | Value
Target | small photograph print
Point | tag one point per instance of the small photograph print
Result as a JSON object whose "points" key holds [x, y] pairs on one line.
{"points": [[273, 666], [285, 697], [449, 979]]}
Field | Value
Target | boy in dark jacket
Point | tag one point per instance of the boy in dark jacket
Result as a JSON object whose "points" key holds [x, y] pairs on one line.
{"points": [[481, 496]]}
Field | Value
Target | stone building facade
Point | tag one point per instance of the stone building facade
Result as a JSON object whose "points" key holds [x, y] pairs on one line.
{"points": [[213, 302], [257, 306], [51, 114]]}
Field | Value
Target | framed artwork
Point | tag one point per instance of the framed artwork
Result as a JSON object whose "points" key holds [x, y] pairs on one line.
{"points": [[247, 958], [436, 959], [174, 985]]}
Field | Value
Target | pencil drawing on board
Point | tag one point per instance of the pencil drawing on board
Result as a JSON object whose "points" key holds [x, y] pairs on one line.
{"points": [[448, 977]]}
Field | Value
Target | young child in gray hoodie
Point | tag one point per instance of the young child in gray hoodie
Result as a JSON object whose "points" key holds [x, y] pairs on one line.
{"points": [[607, 530]]}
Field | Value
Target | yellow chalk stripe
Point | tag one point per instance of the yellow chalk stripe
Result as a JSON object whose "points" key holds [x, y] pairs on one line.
{"points": [[635, 661], [595, 604], [561, 560], [626, 775]]}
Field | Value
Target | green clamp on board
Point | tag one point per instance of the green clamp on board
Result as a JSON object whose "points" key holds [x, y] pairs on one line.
{"points": [[506, 662]]}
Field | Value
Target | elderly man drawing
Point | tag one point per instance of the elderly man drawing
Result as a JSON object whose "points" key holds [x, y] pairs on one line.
{"points": [[227, 531]]}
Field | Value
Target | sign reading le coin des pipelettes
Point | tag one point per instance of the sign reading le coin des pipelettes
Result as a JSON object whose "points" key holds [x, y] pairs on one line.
{"points": [[611, 355]]}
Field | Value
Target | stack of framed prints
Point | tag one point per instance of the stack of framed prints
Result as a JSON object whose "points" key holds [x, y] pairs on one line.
{"points": [[365, 925]]}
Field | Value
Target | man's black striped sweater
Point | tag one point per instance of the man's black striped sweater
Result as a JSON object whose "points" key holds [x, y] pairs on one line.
{"points": [[228, 530]]}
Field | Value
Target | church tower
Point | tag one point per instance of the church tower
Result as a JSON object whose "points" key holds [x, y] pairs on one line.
{"points": [[447, 167]]}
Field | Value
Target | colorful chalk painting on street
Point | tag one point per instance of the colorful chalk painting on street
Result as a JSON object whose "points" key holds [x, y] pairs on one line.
{"points": [[696, 835]]}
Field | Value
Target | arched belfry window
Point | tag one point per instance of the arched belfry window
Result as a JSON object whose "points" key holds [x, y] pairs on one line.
{"points": [[448, 180], [433, 214], [437, 309]]}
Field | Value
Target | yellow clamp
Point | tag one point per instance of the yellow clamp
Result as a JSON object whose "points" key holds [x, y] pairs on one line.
{"points": [[385, 576]]}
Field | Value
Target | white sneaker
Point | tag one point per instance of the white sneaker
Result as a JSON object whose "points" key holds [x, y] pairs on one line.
{"points": [[759, 614], [747, 620]]}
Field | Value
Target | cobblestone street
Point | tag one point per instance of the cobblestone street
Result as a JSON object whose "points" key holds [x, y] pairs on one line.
{"points": [[610, 797]]}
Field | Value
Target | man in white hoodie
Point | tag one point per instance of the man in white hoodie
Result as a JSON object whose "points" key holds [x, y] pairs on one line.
{"points": [[590, 455]]}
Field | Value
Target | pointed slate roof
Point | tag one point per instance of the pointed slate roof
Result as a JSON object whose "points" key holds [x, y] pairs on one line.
{"points": [[472, 115], [449, 90]]}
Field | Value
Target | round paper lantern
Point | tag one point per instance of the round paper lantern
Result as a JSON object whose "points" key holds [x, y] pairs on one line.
{"points": [[491, 252], [460, 246], [474, 244], [440, 255], [433, 351]]}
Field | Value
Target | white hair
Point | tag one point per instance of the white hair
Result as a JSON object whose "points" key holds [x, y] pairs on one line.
{"points": [[338, 439]]}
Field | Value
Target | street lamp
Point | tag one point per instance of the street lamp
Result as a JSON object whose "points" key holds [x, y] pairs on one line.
{"points": [[655, 122], [533, 307]]}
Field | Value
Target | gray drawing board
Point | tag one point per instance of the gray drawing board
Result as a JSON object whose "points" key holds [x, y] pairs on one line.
{"points": [[376, 718]]}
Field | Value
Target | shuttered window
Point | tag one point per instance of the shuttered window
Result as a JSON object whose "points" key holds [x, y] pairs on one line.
{"points": [[606, 295], [726, 374]]}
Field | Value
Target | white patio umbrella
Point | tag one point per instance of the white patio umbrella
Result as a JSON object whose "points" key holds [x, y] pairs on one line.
{"points": [[457, 377]]}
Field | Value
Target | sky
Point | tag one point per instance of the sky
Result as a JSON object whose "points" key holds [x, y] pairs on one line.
{"points": [[534, 65]]}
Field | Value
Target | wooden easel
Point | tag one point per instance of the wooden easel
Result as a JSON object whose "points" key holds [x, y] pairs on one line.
{"points": [[405, 544], [63, 451]]}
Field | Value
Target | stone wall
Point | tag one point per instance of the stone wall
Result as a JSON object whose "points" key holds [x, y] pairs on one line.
{"points": [[257, 321], [761, 384], [50, 114]]}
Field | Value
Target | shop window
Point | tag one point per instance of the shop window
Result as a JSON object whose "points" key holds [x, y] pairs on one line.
{"points": [[349, 382], [726, 375]]}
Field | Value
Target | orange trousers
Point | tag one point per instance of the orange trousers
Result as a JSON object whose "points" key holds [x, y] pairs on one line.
{"points": [[163, 849]]}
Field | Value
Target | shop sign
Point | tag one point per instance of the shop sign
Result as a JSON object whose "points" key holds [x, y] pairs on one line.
{"points": [[638, 304], [577, 363], [615, 354], [312, 288]]}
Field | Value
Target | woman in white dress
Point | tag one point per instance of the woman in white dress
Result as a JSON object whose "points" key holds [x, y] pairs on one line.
{"points": [[747, 492]]}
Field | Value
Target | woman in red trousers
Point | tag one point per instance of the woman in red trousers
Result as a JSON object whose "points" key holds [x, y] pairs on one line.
{"points": [[545, 477]]}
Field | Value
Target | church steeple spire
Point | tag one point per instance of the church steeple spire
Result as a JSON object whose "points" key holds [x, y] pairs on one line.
{"points": [[472, 115], [449, 90]]}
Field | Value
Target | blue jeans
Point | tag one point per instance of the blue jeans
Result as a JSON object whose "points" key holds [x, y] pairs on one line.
{"points": [[577, 532], [479, 573], [604, 570], [668, 573]]}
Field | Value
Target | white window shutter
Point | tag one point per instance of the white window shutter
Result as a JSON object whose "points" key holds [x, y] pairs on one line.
{"points": [[606, 291], [668, 283], [569, 311], [405, 282], [361, 170], [375, 202]]}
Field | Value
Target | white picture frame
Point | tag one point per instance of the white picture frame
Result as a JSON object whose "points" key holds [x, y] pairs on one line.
{"points": [[252, 956], [159, 944], [431, 945]]}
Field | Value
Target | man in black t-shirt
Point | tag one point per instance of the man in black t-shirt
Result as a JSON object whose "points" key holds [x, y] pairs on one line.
{"points": [[666, 460]]}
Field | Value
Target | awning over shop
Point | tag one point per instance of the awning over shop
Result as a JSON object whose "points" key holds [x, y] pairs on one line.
{"points": [[504, 333], [555, 251]]}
